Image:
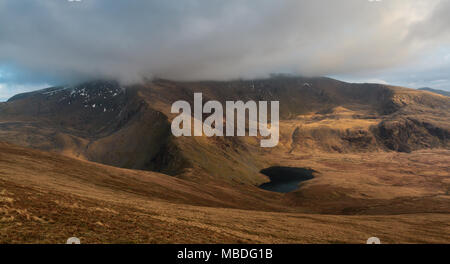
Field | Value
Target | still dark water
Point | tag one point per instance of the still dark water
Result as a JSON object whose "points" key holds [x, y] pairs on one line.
{"points": [[285, 179]]}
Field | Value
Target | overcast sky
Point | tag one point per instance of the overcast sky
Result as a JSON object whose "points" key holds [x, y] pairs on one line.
{"points": [[50, 42]]}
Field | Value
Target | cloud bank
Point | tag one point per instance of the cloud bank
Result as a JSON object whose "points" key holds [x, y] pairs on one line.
{"points": [[57, 40]]}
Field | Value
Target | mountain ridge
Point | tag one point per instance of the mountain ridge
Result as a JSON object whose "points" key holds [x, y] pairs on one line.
{"points": [[105, 122], [436, 91]]}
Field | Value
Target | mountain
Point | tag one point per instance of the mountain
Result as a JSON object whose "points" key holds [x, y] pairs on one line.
{"points": [[373, 150], [130, 127], [441, 92]]}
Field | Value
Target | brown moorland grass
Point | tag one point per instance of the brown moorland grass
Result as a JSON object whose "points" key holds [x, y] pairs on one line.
{"points": [[46, 198]]}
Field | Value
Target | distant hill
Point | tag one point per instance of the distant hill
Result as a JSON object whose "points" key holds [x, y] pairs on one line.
{"points": [[441, 92]]}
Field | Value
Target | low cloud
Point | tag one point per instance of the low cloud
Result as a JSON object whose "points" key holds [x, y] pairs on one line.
{"points": [[212, 39]]}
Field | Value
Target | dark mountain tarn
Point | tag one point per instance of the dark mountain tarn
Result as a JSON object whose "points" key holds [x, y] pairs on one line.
{"points": [[285, 179]]}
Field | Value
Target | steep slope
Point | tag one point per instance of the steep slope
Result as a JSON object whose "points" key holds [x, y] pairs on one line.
{"points": [[98, 121]]}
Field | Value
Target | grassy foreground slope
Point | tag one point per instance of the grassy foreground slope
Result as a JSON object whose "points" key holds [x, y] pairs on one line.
{"points": [[47, 198]]}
